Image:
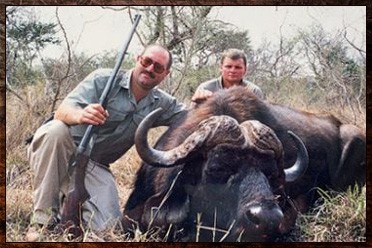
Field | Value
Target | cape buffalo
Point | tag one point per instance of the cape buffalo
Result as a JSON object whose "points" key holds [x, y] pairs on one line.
{"points": [[233, 170]]}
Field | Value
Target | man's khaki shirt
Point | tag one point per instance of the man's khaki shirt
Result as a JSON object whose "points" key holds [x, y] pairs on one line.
{"points": [[116, 136], [215, 84]]}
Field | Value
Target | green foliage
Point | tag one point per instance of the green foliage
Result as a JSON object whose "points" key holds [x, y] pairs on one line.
{"points": [[188, 31], [108, 60], [25, 38], [196, 76], [33, 36], [216, 37], [319, 66], [26, 75]]}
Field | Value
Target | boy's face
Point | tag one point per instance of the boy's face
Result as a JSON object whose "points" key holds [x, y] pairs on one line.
{"points": [[233, 70]]}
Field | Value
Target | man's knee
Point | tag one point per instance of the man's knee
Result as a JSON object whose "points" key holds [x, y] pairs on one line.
{"points": [[52, 131], [52, 134], [57, 128]]}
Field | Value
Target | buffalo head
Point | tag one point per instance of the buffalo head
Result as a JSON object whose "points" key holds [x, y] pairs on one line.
{"points": [[231, 177]]}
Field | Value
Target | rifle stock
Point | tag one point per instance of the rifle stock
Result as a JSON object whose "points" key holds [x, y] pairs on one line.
{"points": [[78, 194]]}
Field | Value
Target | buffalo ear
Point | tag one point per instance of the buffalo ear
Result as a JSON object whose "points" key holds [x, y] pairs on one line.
{"points": [[161, 211], [352, 165]]}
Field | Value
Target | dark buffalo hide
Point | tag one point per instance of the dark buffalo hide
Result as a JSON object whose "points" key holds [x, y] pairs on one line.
{"points": [[211, 181]]}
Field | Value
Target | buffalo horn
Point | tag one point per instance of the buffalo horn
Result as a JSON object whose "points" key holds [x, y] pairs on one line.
{"points": [[302, 162], [146, 152], [210, 132], [264, 140]]}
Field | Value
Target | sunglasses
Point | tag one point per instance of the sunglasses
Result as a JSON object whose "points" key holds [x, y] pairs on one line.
{"points": [[146, 62]]}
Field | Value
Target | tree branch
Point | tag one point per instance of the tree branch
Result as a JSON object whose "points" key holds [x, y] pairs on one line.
{"points": [[61, 80]]}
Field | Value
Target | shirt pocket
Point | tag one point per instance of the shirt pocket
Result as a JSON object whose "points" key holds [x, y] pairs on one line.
{"points": [[115, 119]]}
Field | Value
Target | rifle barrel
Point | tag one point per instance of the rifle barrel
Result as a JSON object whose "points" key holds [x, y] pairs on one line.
{"points": [[103, 99]]}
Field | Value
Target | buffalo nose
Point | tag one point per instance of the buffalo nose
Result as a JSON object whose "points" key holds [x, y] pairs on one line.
{"points": [[265, 217]]}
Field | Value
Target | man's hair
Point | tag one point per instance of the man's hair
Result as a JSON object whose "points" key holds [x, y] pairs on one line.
{"points": [[234, 54], [170, 59]]}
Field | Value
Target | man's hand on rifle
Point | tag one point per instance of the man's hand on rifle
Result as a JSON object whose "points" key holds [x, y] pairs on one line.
{"points": [[93, 114]]}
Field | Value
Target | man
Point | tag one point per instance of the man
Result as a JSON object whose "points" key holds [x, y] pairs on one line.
{"points": [[233, 67], [131, 98]]}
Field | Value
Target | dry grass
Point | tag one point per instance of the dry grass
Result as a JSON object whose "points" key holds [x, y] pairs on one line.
{"points": [[336, 218]]}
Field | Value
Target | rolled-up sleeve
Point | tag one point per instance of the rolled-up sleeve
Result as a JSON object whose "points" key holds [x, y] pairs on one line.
{"points": [[89, 90], [173, 110]]}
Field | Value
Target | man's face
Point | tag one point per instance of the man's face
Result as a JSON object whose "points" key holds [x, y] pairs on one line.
{"points": [[233, 70], [151, 67]]}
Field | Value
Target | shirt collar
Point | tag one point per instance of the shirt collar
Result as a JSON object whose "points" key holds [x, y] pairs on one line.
{"points": [[220, 85], [125, 81], [242, 82]]}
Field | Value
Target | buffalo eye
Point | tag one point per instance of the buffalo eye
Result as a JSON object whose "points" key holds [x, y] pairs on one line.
{"points": [[221, 163]]}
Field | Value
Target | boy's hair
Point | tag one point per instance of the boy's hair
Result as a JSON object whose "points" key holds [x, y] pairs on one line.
{"points": [[234, 54]]}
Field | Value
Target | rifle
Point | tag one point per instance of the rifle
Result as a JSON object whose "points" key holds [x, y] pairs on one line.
{"points": [[78, 194]]}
